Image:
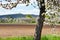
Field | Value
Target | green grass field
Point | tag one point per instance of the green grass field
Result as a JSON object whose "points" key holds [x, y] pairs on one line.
{"points": [[50, 37], [47, 37]]}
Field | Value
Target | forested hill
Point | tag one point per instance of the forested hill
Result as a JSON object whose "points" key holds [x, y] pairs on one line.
{"points": [[17, 15]]}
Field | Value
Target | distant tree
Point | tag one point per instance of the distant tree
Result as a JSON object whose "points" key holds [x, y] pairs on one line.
{"points": [[8, 16], [28, 16], [10, 19]]}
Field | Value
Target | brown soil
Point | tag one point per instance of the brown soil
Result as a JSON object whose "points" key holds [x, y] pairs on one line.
{"points": [[23, 30]]}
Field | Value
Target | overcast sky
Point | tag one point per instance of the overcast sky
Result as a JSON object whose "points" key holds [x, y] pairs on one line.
{"points": [[21, 8]]}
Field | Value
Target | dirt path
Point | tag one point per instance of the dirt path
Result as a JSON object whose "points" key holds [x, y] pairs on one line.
{"points": [[22, 30]]}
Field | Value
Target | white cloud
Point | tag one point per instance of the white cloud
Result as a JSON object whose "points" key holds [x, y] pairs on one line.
{"points": [[32, 11]]}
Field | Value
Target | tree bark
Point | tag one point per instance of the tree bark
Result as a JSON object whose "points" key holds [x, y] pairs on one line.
{"points": [[39, 27]]}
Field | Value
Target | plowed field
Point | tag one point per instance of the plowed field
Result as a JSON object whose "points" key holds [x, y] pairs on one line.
{"points": [[23, 30]]}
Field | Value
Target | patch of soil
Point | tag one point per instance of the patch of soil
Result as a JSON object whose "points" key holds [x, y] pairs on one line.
{"points": [[23, 30]]}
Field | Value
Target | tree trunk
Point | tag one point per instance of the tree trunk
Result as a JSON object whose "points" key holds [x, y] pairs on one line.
{"points": [[40, 21]]}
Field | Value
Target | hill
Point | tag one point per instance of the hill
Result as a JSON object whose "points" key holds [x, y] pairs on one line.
{"points": [[17, 15]]}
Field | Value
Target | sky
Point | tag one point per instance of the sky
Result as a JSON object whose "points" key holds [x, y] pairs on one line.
{"points": [[21, 8]]}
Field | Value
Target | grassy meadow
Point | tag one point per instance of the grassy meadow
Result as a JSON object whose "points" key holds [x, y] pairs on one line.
{"points": [[46, 37]]}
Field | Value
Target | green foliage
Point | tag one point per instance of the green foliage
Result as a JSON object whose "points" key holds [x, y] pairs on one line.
{"points": [[28, 16], [33, 21]]}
